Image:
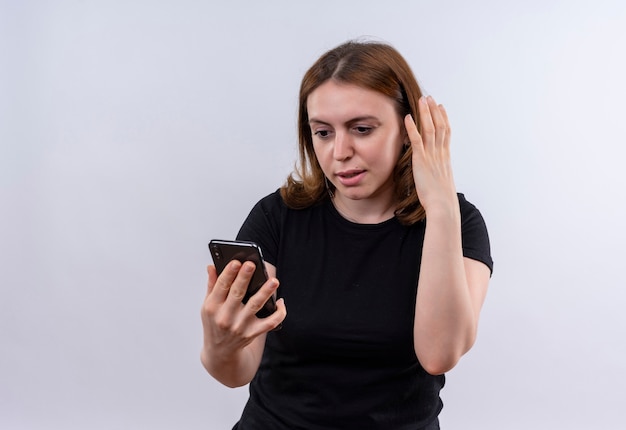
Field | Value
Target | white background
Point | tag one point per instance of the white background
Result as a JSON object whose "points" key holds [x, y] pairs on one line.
{"points": [[132, 132]]}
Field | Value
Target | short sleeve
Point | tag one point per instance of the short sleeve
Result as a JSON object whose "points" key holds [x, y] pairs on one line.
{"points": [[474, 233]]}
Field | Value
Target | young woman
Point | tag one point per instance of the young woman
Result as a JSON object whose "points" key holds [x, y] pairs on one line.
{"points": [[383, 266]]}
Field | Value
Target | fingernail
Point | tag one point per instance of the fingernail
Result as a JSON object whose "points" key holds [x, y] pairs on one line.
{"points": [[424, 100], [248, 267]]}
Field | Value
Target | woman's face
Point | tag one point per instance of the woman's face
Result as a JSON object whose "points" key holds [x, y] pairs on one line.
{"points": [[357, 137]]}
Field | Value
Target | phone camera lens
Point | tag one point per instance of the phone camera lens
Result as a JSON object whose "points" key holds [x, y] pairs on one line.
{"points": [[216, 253]]}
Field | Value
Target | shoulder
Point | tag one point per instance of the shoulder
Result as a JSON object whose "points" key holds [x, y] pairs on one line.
{"points": [[264, 225], [267, 213], [270, 204], [271, 222], [275, 205], [274, 199]]}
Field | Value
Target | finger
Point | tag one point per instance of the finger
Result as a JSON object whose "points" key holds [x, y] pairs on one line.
{"points": [[222, 285], [273, 321], [258, 300], [444, 115], [439, 120], [239, 285], [212, 272], [426, 119], [433, 108], [277, 318], [413, 134], [411, 127], [213, 299]]}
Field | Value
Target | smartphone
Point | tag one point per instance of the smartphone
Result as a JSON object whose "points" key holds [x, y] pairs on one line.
{"points": [[224, 251]]}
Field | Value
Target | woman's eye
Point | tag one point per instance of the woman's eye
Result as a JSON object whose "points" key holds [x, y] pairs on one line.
{"points": [[322, 133], [362, 129]]}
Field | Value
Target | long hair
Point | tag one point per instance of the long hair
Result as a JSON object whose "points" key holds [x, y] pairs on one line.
{"points": [[371, 65]]}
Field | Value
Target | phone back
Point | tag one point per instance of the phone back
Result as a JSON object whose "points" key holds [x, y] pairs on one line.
{"points": [[224, 251]]}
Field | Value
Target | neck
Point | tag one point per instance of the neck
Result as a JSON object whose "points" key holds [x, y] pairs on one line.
{"points": [[365, 211]]}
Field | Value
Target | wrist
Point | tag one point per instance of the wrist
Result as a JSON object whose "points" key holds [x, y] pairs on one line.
{"points": [[443, 208]]}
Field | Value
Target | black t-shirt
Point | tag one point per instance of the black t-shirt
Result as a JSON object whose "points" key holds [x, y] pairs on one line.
{"points": [[344, 358]]}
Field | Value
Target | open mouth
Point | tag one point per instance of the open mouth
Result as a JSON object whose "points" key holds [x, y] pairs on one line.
{"points": [[350, 174], [350, 177]]}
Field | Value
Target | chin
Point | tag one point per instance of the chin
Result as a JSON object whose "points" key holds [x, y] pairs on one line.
{"points": [[355, 194], [352, 193]]}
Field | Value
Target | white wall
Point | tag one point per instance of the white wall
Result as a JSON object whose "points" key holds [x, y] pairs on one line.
{"points": [[132, 132]]}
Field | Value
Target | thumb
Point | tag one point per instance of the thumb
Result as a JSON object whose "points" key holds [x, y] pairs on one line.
{"points": [[212, 272]]}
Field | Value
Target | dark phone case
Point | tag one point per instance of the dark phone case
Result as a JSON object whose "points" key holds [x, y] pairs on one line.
{"points": [[223, 251]]}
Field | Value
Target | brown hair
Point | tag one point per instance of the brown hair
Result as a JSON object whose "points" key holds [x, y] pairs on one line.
{"points": [[375, 66]]}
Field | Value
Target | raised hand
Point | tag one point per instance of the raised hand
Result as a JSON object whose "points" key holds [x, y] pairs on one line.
{"points": [[432, 168]]}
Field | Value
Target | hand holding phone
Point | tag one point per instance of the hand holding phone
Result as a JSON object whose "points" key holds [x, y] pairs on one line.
{"points": [[224, 251]]}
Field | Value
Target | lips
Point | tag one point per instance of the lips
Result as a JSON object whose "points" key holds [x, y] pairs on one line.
{"points": [[350, 178]]}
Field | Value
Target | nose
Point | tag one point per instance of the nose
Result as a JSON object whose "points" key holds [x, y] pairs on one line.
{"points": [[343, 148]]}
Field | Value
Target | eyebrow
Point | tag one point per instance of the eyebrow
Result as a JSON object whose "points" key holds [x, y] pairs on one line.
{"points": [[350, 121]]}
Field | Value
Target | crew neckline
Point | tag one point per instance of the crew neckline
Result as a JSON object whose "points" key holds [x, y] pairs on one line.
{"points": [[330, 206]]}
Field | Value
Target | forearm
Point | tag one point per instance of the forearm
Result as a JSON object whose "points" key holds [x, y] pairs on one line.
{"points": [[233, 370], [445, 324], [234, 338]]}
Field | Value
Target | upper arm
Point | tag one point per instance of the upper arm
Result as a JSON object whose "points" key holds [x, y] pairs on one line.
{"points": [[477, 274]]}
